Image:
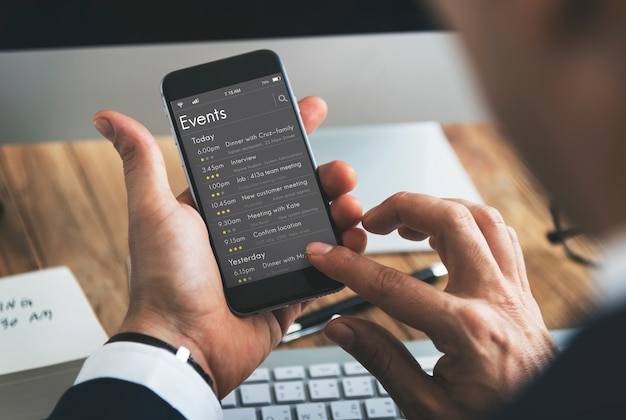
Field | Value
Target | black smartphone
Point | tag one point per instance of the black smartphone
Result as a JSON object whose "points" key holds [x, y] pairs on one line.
{"points": [[253, 177]]}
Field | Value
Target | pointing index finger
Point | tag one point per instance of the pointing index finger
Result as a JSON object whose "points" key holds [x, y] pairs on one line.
{"points": [[398, 294]]}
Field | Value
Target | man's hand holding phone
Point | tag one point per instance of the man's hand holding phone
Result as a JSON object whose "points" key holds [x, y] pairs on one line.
{"points": [[253, 178], [176, 292]]}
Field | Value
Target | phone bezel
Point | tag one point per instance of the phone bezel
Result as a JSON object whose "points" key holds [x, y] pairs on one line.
{"points": [[277, 291]]}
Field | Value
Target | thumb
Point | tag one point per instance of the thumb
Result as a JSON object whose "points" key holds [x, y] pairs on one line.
{"points": [[147, 185], [385, 357]]}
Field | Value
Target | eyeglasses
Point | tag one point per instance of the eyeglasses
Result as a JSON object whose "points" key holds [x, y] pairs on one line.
{"points": [[576, 248]]}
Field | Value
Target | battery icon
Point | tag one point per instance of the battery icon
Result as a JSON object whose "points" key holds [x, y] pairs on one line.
{"points": [[276, 79]]}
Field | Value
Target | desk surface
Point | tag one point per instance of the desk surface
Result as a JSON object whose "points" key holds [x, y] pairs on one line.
{"points": [[65, 204]]}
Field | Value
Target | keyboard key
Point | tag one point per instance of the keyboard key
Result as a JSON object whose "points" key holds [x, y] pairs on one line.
{"points": [[289, 391], [276, 412], [324, 370], [346, 410], [311, 411], [239, 414], [230, 400], [323, 389], [259, 375], [288, 372], [380, 408], [381, 389], [255, 394], [354, 368], [428, 363], [358, 387]]}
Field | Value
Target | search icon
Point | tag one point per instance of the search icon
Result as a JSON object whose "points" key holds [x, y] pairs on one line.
{"points": [[282, 98]]}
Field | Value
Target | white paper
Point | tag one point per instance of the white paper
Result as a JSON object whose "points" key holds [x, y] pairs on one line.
{"points": [[45, 319]]}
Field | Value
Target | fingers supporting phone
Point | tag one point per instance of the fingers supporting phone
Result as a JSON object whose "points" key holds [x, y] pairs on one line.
{"points": [[313, 110]]}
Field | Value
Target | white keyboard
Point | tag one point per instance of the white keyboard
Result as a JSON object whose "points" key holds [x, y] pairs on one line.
{"points": [[323, 384], [318, 391]]}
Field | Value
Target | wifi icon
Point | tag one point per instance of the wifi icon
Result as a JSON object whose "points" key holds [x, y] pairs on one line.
{"points": [[180, 104]]}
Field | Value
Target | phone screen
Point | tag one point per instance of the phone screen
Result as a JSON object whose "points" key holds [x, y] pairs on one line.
{"points": [[253, 177]]}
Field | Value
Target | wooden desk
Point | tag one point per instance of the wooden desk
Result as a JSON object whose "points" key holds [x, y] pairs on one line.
{"points": [[65, 204]]}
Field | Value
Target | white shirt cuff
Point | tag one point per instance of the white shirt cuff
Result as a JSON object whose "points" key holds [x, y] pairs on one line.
{"points": [[173, 380]]}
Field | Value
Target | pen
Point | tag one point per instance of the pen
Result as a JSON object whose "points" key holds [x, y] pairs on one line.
{"points": [[315, 321]]}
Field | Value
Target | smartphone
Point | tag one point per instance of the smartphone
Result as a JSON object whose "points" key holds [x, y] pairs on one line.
{"points": [[253, 178]]}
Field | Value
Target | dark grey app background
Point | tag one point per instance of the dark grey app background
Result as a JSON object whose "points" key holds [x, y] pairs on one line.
{"points": [[254, 180]]}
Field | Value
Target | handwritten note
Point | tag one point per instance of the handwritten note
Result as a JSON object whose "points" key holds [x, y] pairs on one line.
{"points": [[45, 319]]}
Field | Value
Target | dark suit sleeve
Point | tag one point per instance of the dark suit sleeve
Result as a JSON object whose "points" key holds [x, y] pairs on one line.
{"points": [[588, 381], [108, 398]]}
